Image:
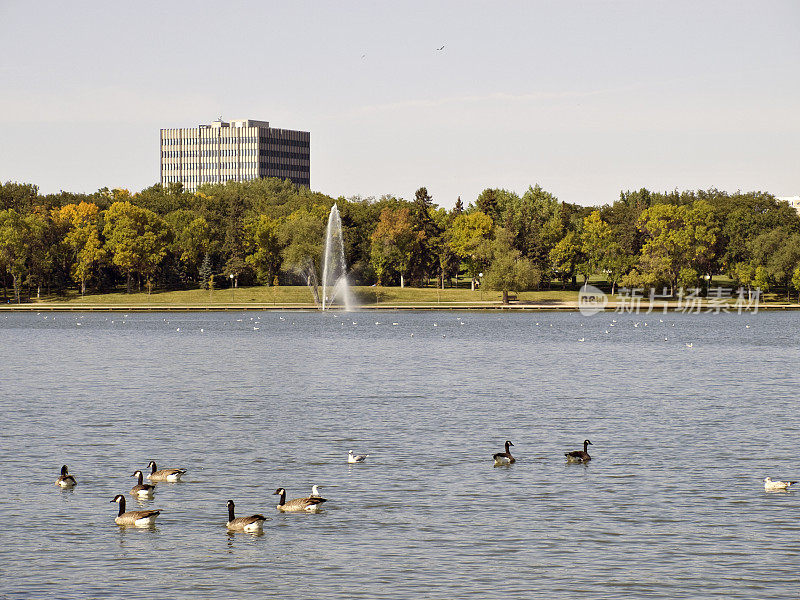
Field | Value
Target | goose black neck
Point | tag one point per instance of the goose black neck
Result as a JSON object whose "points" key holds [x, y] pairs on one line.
{"points": [[230, 512], [64, 470], [121, 503], [153, 464], [585, 445], [282, 501], [139, 478]]}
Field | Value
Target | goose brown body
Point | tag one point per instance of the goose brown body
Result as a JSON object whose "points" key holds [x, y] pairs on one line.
{"points": [[249, 524], [580, 455], [142, 490], [504, 458], [65, 480], [309, 504], [157, 474], [134, 518]]}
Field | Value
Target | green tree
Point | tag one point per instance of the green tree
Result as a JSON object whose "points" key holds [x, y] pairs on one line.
{"points": [[509, 270], [566, 258], [796, 281], [535, 220], [470, 237], [423, 259], [778, 251], [761, 279], [14, 247], [20, 197], [676, 237], [262, 247], [302, 235], [137, 239], [191, 240]]}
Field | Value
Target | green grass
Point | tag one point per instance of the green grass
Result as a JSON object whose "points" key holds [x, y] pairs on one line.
{"points": [[287, 295], [364, 296]]}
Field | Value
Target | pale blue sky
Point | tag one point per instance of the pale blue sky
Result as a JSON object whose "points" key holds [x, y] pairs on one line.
{"points": [[584, 98]]}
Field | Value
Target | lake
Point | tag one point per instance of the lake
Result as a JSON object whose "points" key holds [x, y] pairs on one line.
{"points": [[687, 414]]}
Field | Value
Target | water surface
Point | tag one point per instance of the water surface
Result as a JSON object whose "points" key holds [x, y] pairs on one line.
{"points": [[672, 506]]}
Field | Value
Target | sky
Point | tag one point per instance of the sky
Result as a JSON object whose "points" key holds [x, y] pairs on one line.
{"points": [[585, 99]]}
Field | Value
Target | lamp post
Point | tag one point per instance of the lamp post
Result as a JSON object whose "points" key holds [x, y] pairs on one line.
{"points": [[480, 284], [233, 291]]}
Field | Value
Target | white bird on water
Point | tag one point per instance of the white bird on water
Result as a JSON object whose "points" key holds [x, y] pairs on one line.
{"points": [[356, 458], [777, 486]]}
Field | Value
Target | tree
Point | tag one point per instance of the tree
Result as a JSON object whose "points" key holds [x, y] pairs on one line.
{"points": [[191, 240], [262, 247], [82, 222], [566, 258], [302, 236], [677, 237], [595, 241], [205, 273], [138, 240], [423, 260], [20, 197], [470, 240], [509, 270], [778, 252], [393, 243], [14, 239], [761, 279], [447, 259], [796, 281]]}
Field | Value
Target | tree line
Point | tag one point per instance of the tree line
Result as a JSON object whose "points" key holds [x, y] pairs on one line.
{"points": [[271, 232]]}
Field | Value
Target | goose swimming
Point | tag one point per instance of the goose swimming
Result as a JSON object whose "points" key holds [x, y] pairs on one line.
{"points": [[134, 518], [310, 504], [251, 524], [142, 490], [157, 474], [65, 480], [776, 486], [504, 458], [579, 455], [357, 458]]}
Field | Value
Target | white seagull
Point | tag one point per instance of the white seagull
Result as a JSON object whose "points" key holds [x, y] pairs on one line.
{"points": [[357, 458], [776, 486]]}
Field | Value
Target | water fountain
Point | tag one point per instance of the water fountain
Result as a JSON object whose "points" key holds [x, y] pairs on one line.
{"points": [[334, 270]]}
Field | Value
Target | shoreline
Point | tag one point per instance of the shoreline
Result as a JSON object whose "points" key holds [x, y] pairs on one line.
{"points": [[611, 307]]}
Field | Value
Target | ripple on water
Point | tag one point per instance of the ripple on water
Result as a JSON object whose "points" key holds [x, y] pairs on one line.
{"points": [[671, 506]]}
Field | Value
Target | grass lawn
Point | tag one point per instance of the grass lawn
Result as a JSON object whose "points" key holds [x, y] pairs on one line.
{"points": [[288, 295]]}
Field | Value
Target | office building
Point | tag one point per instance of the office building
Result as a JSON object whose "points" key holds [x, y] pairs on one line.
{"points": [[234, 151]]}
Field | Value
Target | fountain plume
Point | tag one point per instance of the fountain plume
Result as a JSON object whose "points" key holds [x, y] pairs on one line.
{"points": [[334, 270]]}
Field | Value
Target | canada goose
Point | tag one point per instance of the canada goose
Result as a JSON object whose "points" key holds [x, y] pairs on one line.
{"points": [[65, 480], [134, 518], [776, 486], [142, 490], [357, 458], [579, 455], [504, 458], [253, 523], [157, 474], [315, 492], [310, 504]]}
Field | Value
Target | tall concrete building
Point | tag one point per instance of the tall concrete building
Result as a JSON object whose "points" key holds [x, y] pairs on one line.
{"points": [[235, 151]]}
